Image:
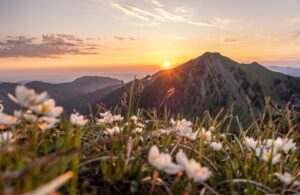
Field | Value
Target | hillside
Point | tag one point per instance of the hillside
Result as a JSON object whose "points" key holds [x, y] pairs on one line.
{"points": [[81, 102]]}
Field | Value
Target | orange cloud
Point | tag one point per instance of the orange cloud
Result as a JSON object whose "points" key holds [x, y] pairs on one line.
{"points": [[47, 46]]}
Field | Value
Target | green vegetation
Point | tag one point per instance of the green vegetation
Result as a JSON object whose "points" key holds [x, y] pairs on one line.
{"points": [[144, 151], [272, 84]]}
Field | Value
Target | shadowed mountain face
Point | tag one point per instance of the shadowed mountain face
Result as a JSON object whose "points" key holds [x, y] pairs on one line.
{"points": [[65, 93]]}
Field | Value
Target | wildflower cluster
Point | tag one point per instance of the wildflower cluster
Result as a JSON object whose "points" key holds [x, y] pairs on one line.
{"points": [[271, 150], [37, 109], [163, 162], [78, 120], [111, 123], [137, 124], [185, 129]]}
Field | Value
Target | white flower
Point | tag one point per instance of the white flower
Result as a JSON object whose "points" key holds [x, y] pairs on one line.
{"points": [[78, 120], [251, 143], [1, 107], [276, 144], [189, 134], [8, 120], [186, 131], [118, 118], [216, 146], [27, 97], [222, 136], [108, 118], [163, 132], [182, 159], [280, 144], [48, 108], [138, 130], [6, 137], [267, 155], [45, 123], [105, 120], [206, 135], [173, 122], [27, 115], [134, 118], [141, 125], [182, 125], [162, 161], [288, 145], [193, 169], [104, 114], [114, 130], [285, 178], [296, 184], [198, 173]]}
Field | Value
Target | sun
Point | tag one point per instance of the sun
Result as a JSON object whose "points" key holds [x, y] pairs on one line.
{"points": [[166, 64]]}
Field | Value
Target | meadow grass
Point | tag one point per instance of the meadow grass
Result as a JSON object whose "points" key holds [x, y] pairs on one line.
{"points": [[107, 153]]}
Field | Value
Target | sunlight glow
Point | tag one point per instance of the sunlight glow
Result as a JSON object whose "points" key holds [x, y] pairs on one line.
{"points": [[166, 64]]}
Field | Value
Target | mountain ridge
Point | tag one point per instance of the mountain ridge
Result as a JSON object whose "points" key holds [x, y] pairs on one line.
{"points": [[208, 82], [212, 82]]}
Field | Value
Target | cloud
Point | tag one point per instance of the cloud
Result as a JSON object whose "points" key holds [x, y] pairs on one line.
{"points": [[137, 12], [229, 40], [126, 38], [179, 18], [53, 45], [296, 34], [175, 37], [181, 10], [161, 14], [223, 23], [157, 3]]}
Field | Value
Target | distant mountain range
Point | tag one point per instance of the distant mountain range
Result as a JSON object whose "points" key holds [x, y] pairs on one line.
{"points": [[209, 82], [286, 70], [66, 94]]}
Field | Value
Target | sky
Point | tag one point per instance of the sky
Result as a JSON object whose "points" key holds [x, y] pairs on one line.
{"points": [[52, 38]]}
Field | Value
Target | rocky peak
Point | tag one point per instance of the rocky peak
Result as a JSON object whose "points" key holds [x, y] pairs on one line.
{"points": [[211, 54]]}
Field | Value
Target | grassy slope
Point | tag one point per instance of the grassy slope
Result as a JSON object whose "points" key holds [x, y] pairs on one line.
{"points": [[266, 78]]}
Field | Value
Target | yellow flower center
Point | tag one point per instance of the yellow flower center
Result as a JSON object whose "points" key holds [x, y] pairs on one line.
{"points": [[42, 125], [269, 155], [206, 137], [44, 108]]}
